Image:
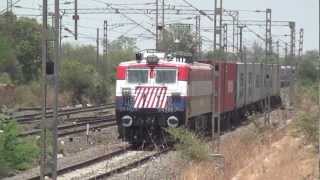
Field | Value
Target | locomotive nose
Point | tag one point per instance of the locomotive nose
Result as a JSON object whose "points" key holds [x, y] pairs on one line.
{"points": [[173, 122], [126, 121]]}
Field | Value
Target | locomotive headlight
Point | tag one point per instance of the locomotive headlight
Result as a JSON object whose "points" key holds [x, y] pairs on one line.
{"points": [[126, 91], [127, 121], [173, 122]]}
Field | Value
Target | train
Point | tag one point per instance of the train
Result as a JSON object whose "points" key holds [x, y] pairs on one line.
{"points": [[158, 91]]}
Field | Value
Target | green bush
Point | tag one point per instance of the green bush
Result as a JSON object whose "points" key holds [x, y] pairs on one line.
{"points": [[77, 78], [307, 125], [307, 119], [84, 82], [191, 146], [308, 68], [15, 153], [5, 78]]}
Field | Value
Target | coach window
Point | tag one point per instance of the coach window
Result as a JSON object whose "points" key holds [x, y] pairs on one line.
{"points": [[137, 76], [166, 76]]}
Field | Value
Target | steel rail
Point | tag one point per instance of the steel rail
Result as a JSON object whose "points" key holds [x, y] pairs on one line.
{"points": [[37, 116], [103, 121], [89, 162], [131, 165]]}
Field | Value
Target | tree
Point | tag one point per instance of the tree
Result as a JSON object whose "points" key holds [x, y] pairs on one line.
{"points": [[123, 43], [217, 55], [20, 40], [77, 78], [256, 53], [308, 67], [179, 37], [120, 49], [28, 50], [8, 63], [84, 79], [85, 54]]}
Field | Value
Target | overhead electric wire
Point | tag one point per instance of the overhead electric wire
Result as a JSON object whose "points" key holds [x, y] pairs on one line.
{"points": [[133, 9], [13, 4], [127, 17], [199, 10]]}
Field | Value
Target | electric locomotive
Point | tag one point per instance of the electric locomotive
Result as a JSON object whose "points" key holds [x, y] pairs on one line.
{"points": [[152, 93]]}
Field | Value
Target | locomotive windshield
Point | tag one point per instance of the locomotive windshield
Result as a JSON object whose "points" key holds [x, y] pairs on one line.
{"points": [[165, 76], [138, 76]]}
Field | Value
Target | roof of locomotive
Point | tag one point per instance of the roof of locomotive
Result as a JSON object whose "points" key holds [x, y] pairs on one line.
{"points": [[164, 63]]}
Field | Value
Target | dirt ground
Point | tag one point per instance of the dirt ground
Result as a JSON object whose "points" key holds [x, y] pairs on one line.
{"points": [[249, 153], [273, 153], [286, 158]]}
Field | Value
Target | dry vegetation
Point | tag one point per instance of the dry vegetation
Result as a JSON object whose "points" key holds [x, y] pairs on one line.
{"points": [[29, 96], [257, 152]]}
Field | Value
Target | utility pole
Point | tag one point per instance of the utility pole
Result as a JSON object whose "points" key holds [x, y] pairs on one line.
{"points": [[60, 30], [300, 50], [9, 14], [233, 33], [237, 32], [225, 38], [56, 88], [319, 92], [301, 35], [292, 26], [278, 49], [105, 44], [44, 169], [278, 65], [98, 46], [268, 49], [268, 40], [75, 17], [157, 25], [105, 49], [163, 13], [163, 25], [49, 131], [241, 42], [218, 11], [198, 35], [9, 6], [286, 52]]}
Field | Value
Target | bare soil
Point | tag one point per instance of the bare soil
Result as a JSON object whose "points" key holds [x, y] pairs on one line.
{"points": [[271, 153]]}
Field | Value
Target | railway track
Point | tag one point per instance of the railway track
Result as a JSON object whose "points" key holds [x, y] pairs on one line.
{"points": [[62, 170], [36, 117], [136, 161], [103, 168], [78, 126], [121, 159]]}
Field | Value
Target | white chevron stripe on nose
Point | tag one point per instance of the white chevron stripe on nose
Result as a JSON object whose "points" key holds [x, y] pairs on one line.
{"points": [[150, 97]]}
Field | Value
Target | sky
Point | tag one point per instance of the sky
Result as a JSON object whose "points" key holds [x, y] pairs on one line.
{"points": [[303, 12]]}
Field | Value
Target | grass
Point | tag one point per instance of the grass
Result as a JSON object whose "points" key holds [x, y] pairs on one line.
{"points": [[190, 145], [307, 119]]}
